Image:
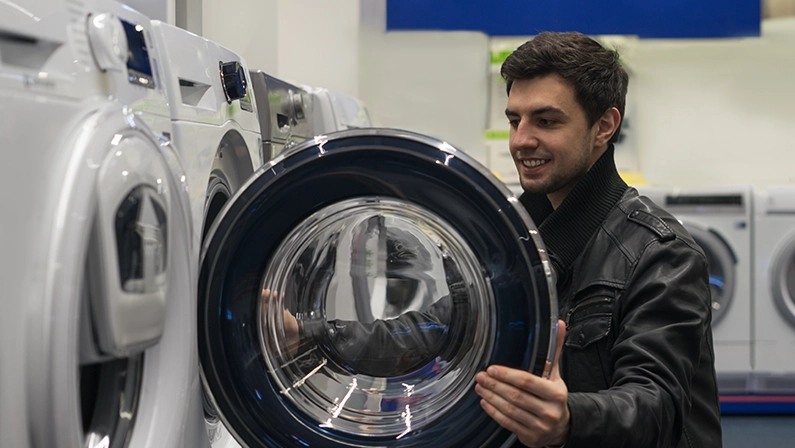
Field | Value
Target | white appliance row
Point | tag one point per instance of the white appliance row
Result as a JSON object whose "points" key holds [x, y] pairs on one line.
{"points": [[748, 236], [123, 139]]}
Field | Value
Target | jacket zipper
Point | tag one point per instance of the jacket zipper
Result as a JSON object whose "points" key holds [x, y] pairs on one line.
{"points": [[590, 301]]}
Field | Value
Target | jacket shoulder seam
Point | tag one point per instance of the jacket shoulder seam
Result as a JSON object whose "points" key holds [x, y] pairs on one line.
{"points": [[624, 251], [649, 243], [652, 222]]}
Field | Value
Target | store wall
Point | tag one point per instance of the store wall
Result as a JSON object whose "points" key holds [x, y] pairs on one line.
{"points": [[435, 83], [318, 43], [311, 42], [162, 10], [717, 112], [247, 27]]}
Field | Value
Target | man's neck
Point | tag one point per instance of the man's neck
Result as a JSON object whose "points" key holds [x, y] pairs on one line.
{"points": [[557, 197]]}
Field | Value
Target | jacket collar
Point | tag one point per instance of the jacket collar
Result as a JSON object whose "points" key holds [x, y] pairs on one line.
{"points": [[568, 229]]}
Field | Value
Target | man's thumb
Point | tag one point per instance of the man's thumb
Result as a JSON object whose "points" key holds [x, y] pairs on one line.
{"points": [[555, 374]]}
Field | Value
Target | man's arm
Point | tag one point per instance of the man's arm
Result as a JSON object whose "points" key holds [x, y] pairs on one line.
{"points": [[663, 318], [386, 348], [391, 347]]}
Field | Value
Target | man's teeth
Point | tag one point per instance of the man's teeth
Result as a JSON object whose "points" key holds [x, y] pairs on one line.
{"points": [[533, 163]]}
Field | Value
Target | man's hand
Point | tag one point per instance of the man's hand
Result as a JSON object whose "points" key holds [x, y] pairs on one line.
{"points": [[532, 407], [291, 336]]}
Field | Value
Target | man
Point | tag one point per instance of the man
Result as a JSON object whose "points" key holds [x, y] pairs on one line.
{"points": [[637, 365]]}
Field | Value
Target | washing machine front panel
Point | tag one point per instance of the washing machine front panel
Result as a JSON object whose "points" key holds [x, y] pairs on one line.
{"points": [[719, 219], [774, 309], [782, 280], [286, 113], [107, 283], [354, 286], [231, 168]]}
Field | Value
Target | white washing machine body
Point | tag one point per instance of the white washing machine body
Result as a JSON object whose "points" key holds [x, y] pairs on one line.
{"points": [[287, 114], [216, 132], [774, 286], [95, 258], [336, 111], [720, 220], [214, 119]]}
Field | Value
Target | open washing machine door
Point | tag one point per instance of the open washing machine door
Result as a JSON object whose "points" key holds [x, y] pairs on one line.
{"points": [[352, 289]]}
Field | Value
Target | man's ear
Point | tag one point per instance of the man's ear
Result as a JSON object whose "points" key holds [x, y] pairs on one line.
{"points": [[606, 126]]}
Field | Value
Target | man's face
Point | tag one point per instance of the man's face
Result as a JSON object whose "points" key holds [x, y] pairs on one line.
{"points": [[551, 142]]}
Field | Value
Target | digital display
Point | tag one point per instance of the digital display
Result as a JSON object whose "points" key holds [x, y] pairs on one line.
{"points": [[139, 66], [704, 200]]}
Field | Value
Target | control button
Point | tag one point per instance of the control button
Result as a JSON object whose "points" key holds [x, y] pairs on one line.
{"points": [[233, 80], [298, 105], [108, 42]]}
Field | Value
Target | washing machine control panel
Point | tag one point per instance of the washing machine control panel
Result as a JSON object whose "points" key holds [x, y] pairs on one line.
{"points": [[139, 66], [233, 80], [119, 45]]}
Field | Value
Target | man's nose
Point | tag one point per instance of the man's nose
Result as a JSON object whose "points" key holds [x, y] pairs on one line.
{"points": [[523, 137]]}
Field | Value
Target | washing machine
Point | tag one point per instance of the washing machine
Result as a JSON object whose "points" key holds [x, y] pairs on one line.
{"points": [[291, 114], [287, 113], [336, 111], [214, 119], [369, 216], [720, 220], [774, 286], [95, 258], [217, 135]]}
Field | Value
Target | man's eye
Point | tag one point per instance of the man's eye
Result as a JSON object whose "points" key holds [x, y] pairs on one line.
{"points": [[546, 122], [514, 123]]}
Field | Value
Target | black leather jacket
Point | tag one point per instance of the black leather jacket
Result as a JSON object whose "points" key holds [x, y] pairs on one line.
{"points": [[633, 289], [638, 357]]}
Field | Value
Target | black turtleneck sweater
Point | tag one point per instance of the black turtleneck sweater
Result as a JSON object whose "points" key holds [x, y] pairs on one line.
{"points": [[567, 229]]}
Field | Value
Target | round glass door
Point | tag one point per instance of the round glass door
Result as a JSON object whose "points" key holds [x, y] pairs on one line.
{"points": [[782, 281], [721, 262], [355, 286]]}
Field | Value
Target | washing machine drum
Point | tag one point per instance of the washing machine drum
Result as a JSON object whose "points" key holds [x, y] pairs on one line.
{"points": [[350, 292]]}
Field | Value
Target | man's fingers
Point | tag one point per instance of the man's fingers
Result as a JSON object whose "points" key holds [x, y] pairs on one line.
{"points": [[524, 424], [520, 379], [506, 396], [266, 295]]}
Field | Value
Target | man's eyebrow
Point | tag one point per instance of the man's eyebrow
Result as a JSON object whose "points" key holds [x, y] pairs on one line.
{"points": [[547, 109], [539, 111]]}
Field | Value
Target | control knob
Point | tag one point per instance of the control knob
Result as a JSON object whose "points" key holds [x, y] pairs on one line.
{"points": [[233, 80]]}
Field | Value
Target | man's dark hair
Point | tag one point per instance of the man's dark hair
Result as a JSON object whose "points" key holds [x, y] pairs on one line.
{"points": [[599, 79]]}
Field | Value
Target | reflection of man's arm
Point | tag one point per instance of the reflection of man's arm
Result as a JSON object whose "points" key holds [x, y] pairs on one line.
{"points": [[389, 347]]}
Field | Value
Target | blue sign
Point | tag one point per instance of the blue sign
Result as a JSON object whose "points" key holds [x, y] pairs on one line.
{"points": [[642, 18]]}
